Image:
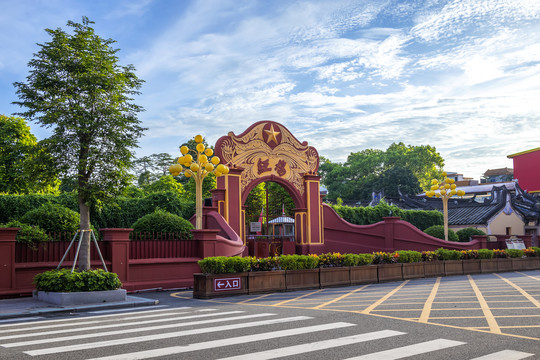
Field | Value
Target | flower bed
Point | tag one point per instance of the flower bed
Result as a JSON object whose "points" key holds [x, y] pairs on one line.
{"points": [[223, 276]]}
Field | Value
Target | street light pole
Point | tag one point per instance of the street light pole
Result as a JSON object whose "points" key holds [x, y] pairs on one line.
{"points": [[198, 167]]}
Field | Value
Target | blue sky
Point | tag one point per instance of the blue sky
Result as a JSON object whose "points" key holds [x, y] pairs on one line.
{"points": [[463, 76]]}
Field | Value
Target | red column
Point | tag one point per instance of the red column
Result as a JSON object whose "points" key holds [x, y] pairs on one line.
{"points": [[7, 257], [119, 248], [389, 223], [206, 239]]}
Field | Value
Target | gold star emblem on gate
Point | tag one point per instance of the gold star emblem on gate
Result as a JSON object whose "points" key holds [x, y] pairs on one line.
{"points": [[272, 134]]}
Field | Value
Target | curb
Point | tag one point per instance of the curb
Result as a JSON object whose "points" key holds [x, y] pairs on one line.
{"points": [[131, 302]]}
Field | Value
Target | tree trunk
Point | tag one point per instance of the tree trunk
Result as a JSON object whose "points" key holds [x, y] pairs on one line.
{"points": [[84, 254]]}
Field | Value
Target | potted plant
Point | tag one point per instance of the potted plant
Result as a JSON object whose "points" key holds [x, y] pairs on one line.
{"points": [[221, 276], [432, 265], [333, 271], [388, 267], [471, 262], [412, 266], [66, 287], [301, 271], [265, 275], [362, 270], [453, 265]]}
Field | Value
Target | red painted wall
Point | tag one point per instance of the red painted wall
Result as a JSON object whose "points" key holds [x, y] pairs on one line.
{"points": [[527, 170], [389, 235]]}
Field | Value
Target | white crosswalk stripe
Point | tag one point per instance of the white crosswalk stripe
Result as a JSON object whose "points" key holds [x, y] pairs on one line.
{"points": [[240, 334]]}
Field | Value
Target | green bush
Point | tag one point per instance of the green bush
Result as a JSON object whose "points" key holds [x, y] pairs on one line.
{"points": [[438, 232], [28, 234], [264, 264], [52, 218], [224, 264], [298, 262], [514, 253], [163, 221], [357, 259], [465, 234], [65, 281], [422, 219], [485, 254], [408, 256], [121, 213], [445, 254]]}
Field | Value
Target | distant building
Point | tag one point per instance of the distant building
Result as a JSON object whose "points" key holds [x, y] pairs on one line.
{"points": [[498, 175], [527, 169]]}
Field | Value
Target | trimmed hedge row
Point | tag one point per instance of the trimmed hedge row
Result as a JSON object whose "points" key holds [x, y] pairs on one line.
{"points": [[66, 281], [235, 264], [120, 214], [372, 214]]}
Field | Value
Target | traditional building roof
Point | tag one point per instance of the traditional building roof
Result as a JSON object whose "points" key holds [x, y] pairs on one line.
{"points": [[282, 220], [496, 172]]}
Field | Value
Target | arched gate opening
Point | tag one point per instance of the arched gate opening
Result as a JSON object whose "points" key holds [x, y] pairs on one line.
{"points": [[267, 151]]}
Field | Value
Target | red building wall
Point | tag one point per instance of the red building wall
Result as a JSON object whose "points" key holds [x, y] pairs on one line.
{"points": [[527, 169]]}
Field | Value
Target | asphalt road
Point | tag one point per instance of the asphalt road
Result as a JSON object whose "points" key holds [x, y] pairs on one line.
{"points": [[495, 316]]}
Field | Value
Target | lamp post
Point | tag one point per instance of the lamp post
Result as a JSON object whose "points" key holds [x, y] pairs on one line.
{"points": [[197, 166], [447, 189]]}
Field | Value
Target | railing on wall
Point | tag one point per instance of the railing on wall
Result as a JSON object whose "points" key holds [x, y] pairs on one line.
{"points": [[52, 251], [162, 245], [270, 245]]}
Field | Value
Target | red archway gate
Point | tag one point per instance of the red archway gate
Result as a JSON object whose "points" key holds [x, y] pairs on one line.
{"points": [[267, 151]]}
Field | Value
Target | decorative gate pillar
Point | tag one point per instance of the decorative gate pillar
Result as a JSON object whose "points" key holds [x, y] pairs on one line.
{"points": [[267, 151]]}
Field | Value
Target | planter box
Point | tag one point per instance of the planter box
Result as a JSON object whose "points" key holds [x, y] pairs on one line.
{"points": [[366, 274], [83, 297], [266, 281], [528, 263], [413, 270], [471, 266], [488, 266], [504, 265], [390, 272], [336, 276], [433, 268], [206, 286], [453, 267], [302, 279]]}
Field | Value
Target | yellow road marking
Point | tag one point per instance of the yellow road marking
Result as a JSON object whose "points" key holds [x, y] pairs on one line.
{"points": [[297, 298], [176, 295], [255, 298], [383, 299], [532, 277], [523, 292], [493, 326], [424, 317], [340, 297]]}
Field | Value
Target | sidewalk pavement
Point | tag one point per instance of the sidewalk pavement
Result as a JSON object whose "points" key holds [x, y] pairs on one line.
{"points": [[28, 306]]}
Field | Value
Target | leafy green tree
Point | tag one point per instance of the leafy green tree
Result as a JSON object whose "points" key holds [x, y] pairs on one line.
{"points": [[77, 87], [25, 166], [164, 184], [152, 168], [406, 166]]}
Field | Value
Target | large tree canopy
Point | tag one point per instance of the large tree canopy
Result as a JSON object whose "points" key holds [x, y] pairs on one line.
{"points": [[24, 165], [407, 167], [76, 87]]}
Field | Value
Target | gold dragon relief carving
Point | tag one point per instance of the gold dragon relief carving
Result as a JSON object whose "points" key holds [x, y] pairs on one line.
{"points": [[270, 149]]}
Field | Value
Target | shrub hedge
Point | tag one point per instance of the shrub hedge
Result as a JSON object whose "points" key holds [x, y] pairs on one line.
{"points": [[464, 235], [52, 218], [225, 265], [163, 221], [438, 232], [119, 214], [373, 214], [27, 234], [65, 281]]}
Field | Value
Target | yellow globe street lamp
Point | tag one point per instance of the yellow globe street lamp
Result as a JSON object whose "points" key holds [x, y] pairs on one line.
{"points": [[197, 166], [447, 189]]}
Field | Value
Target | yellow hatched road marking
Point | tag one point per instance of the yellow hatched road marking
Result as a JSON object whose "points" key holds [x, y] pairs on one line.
{"points": [[255, 298], [493, 326], [532, 277], [383, 299], [424, 317], [297, 298], [340, 297], [523, 292]]}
